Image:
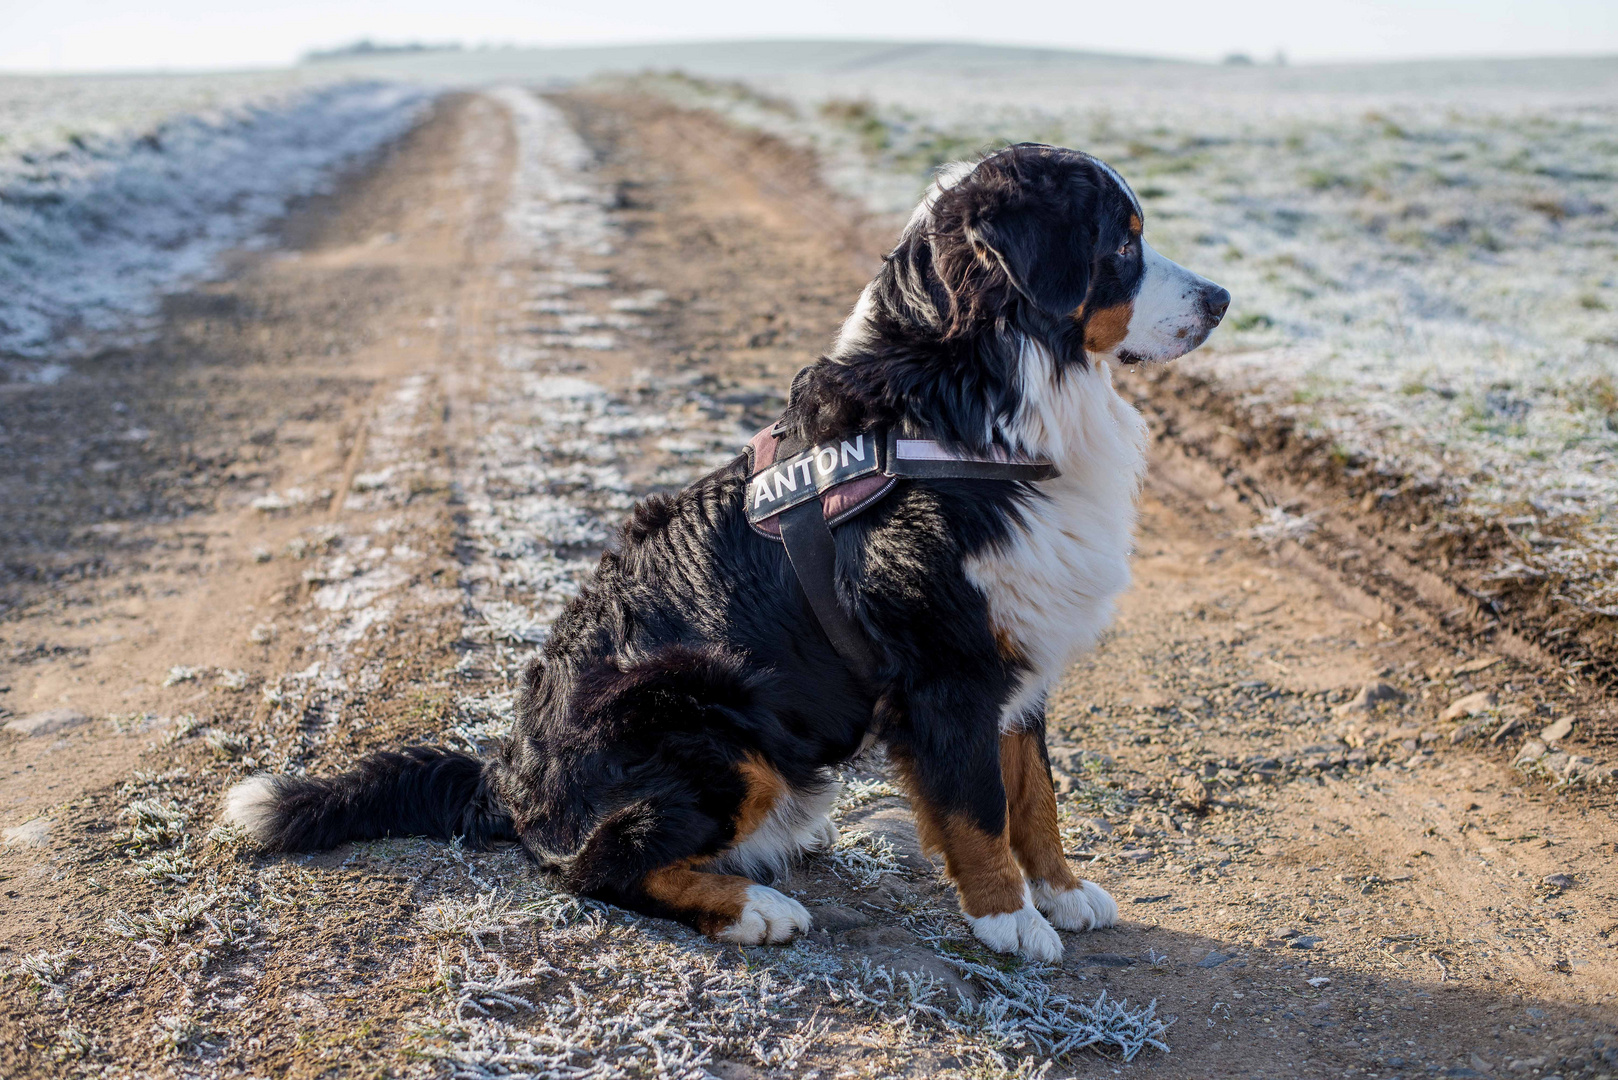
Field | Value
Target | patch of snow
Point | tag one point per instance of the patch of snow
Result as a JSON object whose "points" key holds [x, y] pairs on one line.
{"points": [[94, 230]]}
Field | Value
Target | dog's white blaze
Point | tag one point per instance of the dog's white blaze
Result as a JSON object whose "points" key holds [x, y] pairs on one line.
{"points": [[1169, 318], [797, 823], [250, 806], [853, 336], [1053, 586], [1024, 931], [768, 918], [1088, 907]]}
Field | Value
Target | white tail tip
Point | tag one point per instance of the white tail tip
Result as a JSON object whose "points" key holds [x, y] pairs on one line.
{"points": [[251, 806]]}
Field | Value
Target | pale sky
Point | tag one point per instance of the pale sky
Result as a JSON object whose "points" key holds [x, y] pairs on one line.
{"points": [[102, 35]]}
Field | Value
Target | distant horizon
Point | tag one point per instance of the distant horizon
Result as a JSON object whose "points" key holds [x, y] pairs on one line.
{"points": [[394, 48], [89, 36]]}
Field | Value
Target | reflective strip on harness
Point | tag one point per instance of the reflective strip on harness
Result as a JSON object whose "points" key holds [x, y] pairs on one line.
{"points": [[785, 484], [930, 459]]}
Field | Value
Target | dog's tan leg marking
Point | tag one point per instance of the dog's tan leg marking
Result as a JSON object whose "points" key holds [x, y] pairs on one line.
{"points": [[764, 789], [994, 897], [1036, 840], [980, 863], [726, 907]]}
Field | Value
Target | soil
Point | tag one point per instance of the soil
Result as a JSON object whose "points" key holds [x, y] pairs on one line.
{"points": [[274, 539]]}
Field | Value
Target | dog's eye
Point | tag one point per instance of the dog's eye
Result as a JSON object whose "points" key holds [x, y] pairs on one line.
{"points": [[1125, 248]]}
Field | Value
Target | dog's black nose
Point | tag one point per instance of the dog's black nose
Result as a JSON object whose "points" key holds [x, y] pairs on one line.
{"points": [[1217, 301]]}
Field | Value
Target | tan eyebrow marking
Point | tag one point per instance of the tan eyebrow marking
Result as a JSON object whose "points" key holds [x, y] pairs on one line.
{"points": [[1134, 224]]}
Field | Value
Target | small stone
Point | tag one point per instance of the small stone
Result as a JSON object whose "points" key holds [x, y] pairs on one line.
{"points": [[35, 833], [1470, 705], [893, 936], [1558, 731], [1138, 855], [836, 918], [48, 722], [1077, 760], [734, 1070], [1212, 960], [1109, 959], [1531, 751], [1505, 729], [262, 554], [1303, 942], [1579, 768], [1558, 881], [1288, 932], [1482, 662], [1318, 981], [1371, 695], [1191, 791]]}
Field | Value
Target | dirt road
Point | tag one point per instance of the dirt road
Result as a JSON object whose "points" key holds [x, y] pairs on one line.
{"points": [[334, 505]]}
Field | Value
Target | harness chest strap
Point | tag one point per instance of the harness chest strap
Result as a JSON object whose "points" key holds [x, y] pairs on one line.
{"points": [[797, 502]]}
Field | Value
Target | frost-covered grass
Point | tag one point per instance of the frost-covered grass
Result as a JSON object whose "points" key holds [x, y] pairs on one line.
{"points": [[864, 857], [48, 969], [153, 825], [1423, 260], [113, 191]]}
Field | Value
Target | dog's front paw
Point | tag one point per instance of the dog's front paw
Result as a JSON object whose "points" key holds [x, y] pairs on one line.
{"points": [[1087, 907], [767, 918], [1024, 932]]}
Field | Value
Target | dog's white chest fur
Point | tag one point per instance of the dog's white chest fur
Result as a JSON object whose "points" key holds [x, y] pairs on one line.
{"points": [[1052, 588]]}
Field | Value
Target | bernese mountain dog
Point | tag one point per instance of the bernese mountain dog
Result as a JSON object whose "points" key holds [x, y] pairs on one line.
{"points": [[675, 743]]}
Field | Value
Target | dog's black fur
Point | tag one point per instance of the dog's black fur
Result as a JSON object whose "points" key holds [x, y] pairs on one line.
{"points": [[692, 650]]}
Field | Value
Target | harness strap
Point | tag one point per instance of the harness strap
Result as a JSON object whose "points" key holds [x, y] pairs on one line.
{"points": [[813, 554]]}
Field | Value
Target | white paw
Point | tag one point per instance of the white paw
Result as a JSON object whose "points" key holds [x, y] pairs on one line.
{"points": [[768, 918], [1024, 932], [821, 835], [1086, 908]]}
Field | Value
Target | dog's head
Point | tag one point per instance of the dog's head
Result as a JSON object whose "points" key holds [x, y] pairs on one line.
{"points": [[1060, 233]]}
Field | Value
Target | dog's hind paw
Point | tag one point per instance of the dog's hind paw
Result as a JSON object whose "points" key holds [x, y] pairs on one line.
{"points": [[822, 835], [1086, 908], [768, 918], [1024, 932]]}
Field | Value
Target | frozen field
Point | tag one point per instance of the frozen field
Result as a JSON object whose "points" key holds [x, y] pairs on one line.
{"points": [[113, 190], [1422, 255]]}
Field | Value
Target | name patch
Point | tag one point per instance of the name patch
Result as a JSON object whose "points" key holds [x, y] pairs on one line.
{"points": [[798, 479]]}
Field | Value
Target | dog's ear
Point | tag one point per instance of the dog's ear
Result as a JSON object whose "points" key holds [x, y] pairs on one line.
{"points": [[1028, 214], [1042, 247]]}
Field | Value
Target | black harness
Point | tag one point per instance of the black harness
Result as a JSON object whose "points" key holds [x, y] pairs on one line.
{"points": [[797, 501]]}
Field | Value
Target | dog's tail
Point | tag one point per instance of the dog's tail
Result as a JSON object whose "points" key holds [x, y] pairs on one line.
{"points": [[422, 791]]}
